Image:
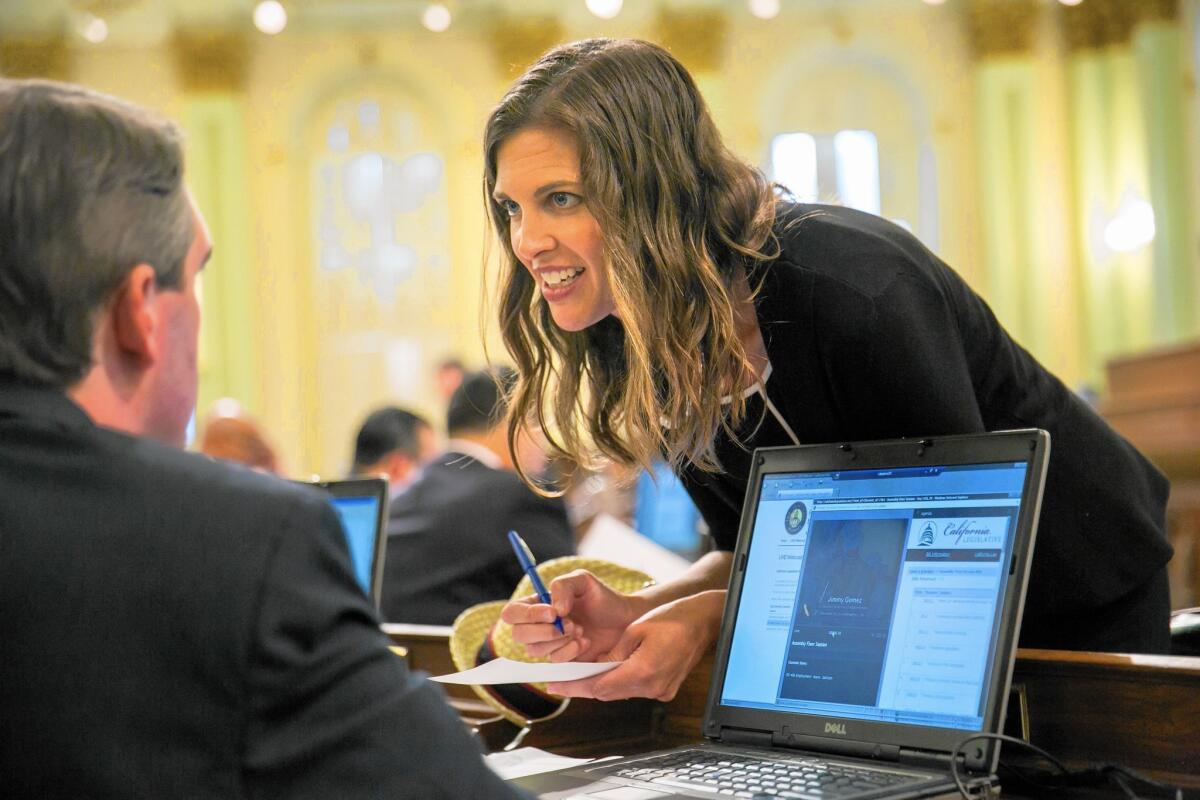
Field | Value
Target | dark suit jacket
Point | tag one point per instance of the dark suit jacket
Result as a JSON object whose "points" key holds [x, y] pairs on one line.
{"points": [[171, 626], [448, 544]]}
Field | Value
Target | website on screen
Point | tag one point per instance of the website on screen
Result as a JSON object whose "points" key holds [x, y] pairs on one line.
{"points": [[875, 594]]}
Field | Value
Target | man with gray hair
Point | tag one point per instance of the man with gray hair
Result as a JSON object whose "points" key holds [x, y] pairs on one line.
{"points": [[171, 626]]}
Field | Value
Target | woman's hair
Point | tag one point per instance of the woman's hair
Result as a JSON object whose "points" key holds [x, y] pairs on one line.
{"points": [[681, 219]]}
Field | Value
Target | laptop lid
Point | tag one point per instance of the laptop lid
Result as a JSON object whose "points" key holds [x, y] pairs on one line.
{"points": [[361, 504], [876, 596]]}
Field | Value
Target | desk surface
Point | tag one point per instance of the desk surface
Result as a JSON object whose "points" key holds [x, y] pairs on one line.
{"points": [[1136, 710]]}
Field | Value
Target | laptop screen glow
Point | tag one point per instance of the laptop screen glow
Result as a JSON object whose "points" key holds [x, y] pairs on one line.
{"points": [[875, 594], [359, 515]]}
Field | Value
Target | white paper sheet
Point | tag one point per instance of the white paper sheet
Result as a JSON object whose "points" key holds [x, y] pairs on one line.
{"points": [[504, 670], [613, 540], [528, 761]]}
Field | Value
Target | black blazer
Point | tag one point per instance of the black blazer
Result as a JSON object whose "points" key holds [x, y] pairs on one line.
{"points": [[871, 336], [171, 626], [448, 547]]}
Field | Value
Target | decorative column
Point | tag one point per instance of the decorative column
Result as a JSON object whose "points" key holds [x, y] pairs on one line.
{"points": [[212, 69], [1109, 175], [1002, 33], [44, 57], [697, 37], [1157, 44]]}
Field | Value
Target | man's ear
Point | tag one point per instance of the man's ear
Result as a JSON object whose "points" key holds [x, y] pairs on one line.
{"points": [[135, 314]]}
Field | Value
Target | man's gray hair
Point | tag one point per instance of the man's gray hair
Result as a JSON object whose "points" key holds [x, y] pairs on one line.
{"points": [[90, 187]]}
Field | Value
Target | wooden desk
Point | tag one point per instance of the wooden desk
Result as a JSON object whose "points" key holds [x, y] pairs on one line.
{"points": [[1139, 711]]}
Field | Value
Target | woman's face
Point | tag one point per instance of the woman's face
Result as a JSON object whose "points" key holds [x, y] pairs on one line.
{"points": [[551, 230]]}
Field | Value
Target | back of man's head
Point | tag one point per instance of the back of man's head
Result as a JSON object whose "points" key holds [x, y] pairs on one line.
{"points": [[90, 186], [385, 431], [480, 402]]}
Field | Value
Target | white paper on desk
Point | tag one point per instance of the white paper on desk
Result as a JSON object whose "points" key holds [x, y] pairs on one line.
{"points": [[609, 538], [529, 761], [504, 670]]}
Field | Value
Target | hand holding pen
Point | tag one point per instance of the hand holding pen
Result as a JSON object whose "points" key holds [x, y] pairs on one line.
{"points": [[529, 566]]}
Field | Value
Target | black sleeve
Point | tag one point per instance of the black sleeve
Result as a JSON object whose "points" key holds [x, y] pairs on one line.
{"points": [[722, 511], [333, 712]]}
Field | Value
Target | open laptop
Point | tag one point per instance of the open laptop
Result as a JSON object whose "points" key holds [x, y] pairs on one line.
{"points": [[361, 504], [870, 626]]}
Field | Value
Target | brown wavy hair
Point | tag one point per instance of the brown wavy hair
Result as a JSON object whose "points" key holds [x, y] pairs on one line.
{"points": [[681, 219]]}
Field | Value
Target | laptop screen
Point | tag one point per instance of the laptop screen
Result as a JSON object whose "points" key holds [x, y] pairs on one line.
{"points": [[361, 505], [875, 593], [360, 518]]}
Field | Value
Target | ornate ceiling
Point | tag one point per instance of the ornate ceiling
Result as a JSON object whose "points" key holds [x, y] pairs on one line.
{"points": [[142, 21]]}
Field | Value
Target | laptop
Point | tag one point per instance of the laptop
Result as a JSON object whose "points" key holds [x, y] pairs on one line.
{"points": [[361, 504], [870, 627]]}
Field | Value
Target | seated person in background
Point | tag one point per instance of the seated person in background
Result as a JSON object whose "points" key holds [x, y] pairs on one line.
{"points": [[171, 626], [447, 376], [231, 434], [395, 443], [447, 543]]}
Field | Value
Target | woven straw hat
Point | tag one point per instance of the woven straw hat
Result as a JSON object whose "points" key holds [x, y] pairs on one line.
{"points": [[479, 635]]}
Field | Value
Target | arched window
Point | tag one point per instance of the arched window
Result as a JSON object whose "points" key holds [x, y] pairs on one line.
{"points": [[842, 167], [380, 295]]}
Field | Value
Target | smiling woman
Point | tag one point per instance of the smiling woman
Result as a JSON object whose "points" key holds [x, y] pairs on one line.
{"points": [[551, 231], [632, 233], [660, 298]]}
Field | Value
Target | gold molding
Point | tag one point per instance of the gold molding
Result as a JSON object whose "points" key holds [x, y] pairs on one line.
{"points": [[517, 42], [1002, 27], [1103, 23], [696, 37], [47, 57], [211, 61], [104, 8], [1153, 10]]}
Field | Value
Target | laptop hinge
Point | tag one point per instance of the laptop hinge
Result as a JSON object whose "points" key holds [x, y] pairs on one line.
{"points": [[745, 736], [839, 747], [930, 759]]}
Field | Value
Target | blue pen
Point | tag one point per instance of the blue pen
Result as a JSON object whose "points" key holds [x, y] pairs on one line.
{"points": [[527, 563]]}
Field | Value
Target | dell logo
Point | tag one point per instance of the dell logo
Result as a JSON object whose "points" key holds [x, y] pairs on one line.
{"points": [[836, 727]]}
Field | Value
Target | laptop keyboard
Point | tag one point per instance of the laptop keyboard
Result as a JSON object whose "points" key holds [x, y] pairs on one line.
{"points": [[723, 775]]}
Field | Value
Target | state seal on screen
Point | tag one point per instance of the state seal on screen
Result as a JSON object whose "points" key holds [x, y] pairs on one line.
{"points": [[797, 515]]}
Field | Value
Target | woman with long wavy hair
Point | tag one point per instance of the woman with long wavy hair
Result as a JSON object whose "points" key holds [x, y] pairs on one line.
{"points": [[660, 298]]}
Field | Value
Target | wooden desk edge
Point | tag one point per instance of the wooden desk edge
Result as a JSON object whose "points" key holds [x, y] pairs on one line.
{"points": [[1139, 692], [1181, 666]]}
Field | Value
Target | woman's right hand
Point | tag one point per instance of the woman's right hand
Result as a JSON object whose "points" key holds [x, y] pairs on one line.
{"points": [[593, 617]]}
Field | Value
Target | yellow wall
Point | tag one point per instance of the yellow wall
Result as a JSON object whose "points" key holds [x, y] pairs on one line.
{"points": [[906, 71]]}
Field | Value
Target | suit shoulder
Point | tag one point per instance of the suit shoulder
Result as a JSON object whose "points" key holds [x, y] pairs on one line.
{"points": [[840, 248], [196, 481]]}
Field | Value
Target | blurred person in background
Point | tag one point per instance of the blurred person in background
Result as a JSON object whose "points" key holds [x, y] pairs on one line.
{"points": [[395, 443], [447, 545], [231, 434], [447, 376]]}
